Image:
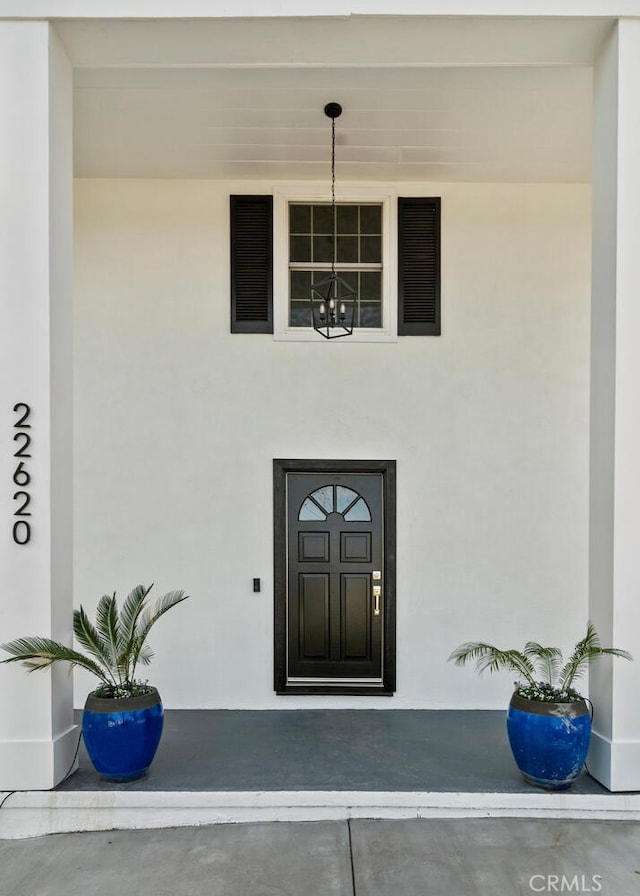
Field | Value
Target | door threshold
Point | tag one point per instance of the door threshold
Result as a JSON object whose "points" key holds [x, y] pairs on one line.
{"points": [[372, 689], [366, 682]]}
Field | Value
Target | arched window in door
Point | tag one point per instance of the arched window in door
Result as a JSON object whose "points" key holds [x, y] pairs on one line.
{"points": [[335, 499]]}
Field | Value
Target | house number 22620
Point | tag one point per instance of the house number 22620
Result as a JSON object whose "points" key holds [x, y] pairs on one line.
{"points": [[21, 474]]}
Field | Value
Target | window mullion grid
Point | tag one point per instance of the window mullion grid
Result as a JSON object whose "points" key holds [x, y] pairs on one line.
{"points": [[356, 267]]}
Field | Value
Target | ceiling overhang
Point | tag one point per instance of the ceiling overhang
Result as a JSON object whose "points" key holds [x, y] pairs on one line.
{"points": [[425, 98]]}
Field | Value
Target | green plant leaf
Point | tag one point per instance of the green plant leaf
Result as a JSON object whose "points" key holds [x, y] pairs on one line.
{"points": [[115, 644], [150, 617], [107, 624], [127, 646], [584, 653], [535, 659], [146, 655], [491, 659], [131, 609], [88, 636], [40, 653], [549, 660]]}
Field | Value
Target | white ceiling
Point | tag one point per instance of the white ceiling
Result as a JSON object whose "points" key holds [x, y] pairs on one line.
{"points": [[424, 99]]}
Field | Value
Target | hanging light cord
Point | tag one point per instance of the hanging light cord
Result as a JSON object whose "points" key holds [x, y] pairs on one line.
{"points": [[333, 193], [331, 292]]}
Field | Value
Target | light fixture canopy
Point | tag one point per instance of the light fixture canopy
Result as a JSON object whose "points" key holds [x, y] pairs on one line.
{"points": [[333, 301]]}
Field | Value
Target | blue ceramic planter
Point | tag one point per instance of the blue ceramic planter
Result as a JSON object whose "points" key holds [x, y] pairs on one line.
{"points": [[122, 736], [549, 741]]}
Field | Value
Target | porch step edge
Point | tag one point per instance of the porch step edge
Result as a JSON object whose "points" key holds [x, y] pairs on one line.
{"points": [[35, 814]]}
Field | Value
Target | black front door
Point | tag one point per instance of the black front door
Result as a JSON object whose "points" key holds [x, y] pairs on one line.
{"points": [[337, 600]]}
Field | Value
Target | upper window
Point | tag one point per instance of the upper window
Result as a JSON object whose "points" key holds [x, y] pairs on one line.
{"points": [[353, 236], [388, 253]]}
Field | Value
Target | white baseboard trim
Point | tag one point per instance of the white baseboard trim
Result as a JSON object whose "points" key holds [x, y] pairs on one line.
{"points": [[615, 764], [37, 764]]}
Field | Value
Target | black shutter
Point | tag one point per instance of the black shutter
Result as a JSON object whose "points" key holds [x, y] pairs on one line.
{"points": [[419, 267], [251, 264]]}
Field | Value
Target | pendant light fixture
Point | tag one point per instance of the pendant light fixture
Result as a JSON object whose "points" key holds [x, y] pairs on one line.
{"points": [[333, 301]]}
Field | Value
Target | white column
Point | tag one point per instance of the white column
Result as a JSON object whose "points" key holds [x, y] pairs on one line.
{"points": [[615, 408], [37, 734]]}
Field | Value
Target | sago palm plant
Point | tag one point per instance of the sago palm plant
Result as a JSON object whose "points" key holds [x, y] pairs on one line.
{"points": [[546, 676], [114, 645]]}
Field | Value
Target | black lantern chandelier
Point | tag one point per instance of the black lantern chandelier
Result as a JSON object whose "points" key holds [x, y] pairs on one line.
{"points": [[333, 301]]}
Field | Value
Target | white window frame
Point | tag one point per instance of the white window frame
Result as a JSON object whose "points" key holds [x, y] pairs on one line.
{"points": [[388, 332]]}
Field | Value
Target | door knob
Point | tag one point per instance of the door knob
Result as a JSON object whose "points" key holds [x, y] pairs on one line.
{"points": [[377, 590]]}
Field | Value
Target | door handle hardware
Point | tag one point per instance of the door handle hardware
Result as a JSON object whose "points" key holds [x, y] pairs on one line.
{"points": [[376, 599]]}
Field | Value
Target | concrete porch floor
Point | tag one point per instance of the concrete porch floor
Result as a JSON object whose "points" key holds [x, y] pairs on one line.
{"points": [[217, 766], [438, 751]]}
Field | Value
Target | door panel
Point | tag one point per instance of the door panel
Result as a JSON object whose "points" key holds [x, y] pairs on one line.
{"points": [[335, 541], [313, 546], [313, 619], [355, 547], [356, 617], [334, 548]]}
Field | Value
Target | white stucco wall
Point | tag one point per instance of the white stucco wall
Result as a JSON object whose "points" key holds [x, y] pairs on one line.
{"points": [[177, 422]]}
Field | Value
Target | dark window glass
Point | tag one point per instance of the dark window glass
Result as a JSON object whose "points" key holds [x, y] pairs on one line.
{"points": [[322, 249], [356, 240], [300, 314], [299, 248], [370, 219], [369, 315], [347, 219], [300, 285], [370, 286], [299, 307], [347, 249], [350, 278], [370, 249], [322, 221], [300, 218]]}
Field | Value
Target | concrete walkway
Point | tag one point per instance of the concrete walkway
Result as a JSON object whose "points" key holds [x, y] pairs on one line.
{"points": [[455, 857]]}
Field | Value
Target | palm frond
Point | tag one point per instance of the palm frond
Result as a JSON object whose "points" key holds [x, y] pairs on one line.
{"points": [[149, 618], [115, 644], [131, 609], [489, 658], [40, 653], [107, 624], [146, 655], [162, 605], [133, 606], [88, 636], [549, 660], [584, 652]]}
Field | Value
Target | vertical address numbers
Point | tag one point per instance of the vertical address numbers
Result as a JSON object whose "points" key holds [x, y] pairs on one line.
{"points": [[21, 474]]}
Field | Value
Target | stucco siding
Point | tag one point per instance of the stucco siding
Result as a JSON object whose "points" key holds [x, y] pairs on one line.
{"points": [[177, 422]]}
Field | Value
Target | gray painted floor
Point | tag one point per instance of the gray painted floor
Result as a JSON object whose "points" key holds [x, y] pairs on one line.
{"points": [[469, 857], [369, 750]]}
